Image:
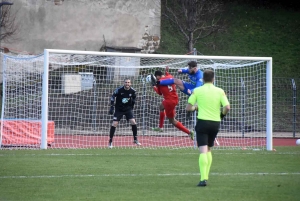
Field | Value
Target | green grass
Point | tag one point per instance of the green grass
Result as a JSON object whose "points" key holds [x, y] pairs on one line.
{"points": [[137, 174]]}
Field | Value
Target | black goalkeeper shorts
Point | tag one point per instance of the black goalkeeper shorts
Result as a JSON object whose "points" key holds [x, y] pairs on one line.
{"points": [[206, 132], [118, 115]]}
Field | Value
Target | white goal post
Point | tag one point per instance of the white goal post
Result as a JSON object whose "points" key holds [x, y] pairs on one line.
{"points": [[60, 99]]}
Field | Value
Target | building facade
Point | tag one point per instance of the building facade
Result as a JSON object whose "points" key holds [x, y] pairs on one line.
{"points": [[85, 25]]}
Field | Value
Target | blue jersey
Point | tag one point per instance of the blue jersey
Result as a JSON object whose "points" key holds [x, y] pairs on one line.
{"points": [[195, 79]]}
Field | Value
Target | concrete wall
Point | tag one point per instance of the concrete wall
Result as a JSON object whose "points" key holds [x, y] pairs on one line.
{"points": [[85, 25]]}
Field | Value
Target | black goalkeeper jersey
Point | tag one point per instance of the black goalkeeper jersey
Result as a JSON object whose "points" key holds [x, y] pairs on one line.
{"points": [[125, 99]]}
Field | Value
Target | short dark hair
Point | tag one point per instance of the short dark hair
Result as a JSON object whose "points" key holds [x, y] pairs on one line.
{"points": [[192, 64], [208, 75], [158, 73]]}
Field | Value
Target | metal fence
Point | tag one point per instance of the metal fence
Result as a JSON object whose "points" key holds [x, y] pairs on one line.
{"points": [[286, 106]]}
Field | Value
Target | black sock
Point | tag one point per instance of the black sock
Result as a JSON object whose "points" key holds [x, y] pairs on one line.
{"points": [[134, 131], [111, 133]]}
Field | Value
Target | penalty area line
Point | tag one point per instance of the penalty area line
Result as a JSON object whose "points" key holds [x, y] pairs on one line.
{"points": [[145, 175]]}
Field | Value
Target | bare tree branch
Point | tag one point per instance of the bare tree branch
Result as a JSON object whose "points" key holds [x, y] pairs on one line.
{"points": [[7, 24], [174, 19], [196, 19]]}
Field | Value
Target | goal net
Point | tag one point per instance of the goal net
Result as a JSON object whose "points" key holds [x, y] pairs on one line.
{"points": [[61, 99]]}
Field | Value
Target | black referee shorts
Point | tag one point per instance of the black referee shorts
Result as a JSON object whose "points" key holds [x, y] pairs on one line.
{"points": [[206, 132], [118, 115]]}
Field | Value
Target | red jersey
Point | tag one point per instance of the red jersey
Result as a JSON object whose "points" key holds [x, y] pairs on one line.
{"points": [[169, 91]]}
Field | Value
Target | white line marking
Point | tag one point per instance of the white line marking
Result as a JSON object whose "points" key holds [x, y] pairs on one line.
{"points": [[152, 154], [147, 175]]}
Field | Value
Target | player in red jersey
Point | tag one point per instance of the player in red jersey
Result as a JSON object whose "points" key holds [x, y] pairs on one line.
{"points": [[167, 107]]}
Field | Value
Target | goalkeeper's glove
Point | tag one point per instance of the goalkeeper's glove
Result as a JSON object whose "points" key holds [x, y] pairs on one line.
{"points": [[111, 111], [153, 80], [222, 115]]}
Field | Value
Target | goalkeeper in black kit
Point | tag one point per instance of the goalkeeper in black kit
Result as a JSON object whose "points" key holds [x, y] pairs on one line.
{"points": [[125, 99]]}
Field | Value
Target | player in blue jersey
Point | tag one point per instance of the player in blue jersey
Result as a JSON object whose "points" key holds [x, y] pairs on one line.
{"points": [[195, 76]]}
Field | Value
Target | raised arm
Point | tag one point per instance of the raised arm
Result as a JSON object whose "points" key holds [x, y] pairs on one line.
{"points": [[183, 71], [167, 71], [167, 68]]}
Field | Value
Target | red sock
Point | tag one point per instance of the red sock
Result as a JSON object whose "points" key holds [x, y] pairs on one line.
{"points": [[161, 119], [182, 128]]}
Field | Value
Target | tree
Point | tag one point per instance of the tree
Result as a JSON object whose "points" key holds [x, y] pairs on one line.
{"points": [[195, 19], [7, 23]]}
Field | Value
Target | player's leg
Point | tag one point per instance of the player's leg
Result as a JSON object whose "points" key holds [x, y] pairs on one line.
{"points": [[209, 162], [203, 164], [202, 141], [211, 139], [170, 81], [162, 115], [179, 83], [129, 116], [187, 87], [183, 86], [170, 113], [181, 127], [116, 118]]}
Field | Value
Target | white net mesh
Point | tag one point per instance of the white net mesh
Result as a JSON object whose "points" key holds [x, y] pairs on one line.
{"points": [[79, 90]]}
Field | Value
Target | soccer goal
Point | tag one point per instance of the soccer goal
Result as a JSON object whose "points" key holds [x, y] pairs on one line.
{"points": [[61, 99]]}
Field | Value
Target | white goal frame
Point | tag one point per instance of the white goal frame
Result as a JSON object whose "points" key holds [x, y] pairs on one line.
{"points": [[269, 131], [60, 99]]}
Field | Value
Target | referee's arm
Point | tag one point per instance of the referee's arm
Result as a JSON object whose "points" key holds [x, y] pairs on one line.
{"points": [[191, 108], [225, 104], [225, 109], [191, 104]]}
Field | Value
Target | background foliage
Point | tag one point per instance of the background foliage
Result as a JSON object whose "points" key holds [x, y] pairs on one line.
{"points": [[254, 28]]}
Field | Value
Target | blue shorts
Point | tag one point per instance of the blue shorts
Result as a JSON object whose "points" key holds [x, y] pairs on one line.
{"points": [[186, 87]]}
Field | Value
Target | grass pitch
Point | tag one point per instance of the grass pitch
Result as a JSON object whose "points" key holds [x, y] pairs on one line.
{"points": [[148, 174]]}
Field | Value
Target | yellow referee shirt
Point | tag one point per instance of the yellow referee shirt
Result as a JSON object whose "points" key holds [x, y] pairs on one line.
{"points": [[209, 99]]}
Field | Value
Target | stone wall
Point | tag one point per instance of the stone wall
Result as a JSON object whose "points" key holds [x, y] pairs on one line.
{"points": [[85, 25], [149, 43]]}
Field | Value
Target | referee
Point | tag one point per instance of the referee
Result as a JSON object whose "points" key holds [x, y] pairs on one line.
{"points": [[209, 100]]}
